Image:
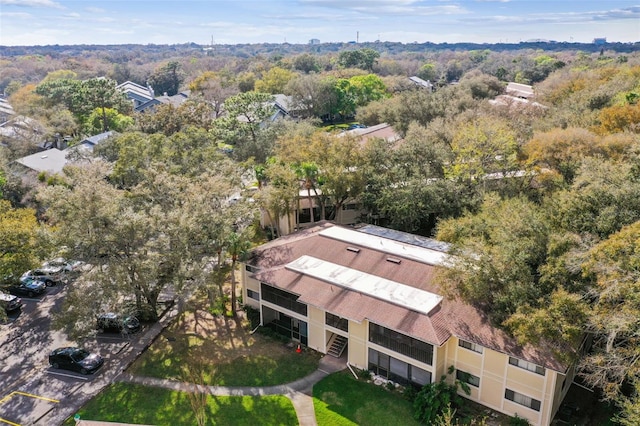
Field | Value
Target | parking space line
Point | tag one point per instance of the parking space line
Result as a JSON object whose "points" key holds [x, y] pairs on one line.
{"points": [[8, 422], [55, 373], [30, 395]]}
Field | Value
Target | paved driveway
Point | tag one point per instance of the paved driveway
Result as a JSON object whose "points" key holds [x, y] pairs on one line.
{"points": [[31, 392]]}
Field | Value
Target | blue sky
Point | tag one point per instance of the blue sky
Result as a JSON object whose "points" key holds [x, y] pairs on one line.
{"points": [[44, 22]]}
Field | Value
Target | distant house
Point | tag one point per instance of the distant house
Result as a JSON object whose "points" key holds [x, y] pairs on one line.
{"points": [[314, 41], [517, 95], [53, 160], [518, 90], [371, 297], [50, 161], [600, 41], [282, 107], [6, 111], [23, 128], [90, 142], [175, 100], [380, 131], [425, 84], [136, 93]]}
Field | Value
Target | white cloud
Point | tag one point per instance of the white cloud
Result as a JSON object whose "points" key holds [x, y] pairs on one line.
{"points": [[18, 15], [32, 3]]}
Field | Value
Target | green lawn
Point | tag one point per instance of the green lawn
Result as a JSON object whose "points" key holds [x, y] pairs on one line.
{"points": [[245, 370], [340, 399], [128, 403]]}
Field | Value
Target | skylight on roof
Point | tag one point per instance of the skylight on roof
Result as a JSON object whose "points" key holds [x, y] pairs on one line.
{"points": [[381, 288], [396, 248]]}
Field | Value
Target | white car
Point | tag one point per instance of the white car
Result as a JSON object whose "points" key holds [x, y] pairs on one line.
{"points": [[66, 265], [10, 302]]}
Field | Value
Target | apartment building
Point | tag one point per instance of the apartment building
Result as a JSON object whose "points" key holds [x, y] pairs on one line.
{"points": [[370, 296]]}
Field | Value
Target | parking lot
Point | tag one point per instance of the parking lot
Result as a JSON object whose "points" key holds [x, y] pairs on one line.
{"points": [[32, 392]]}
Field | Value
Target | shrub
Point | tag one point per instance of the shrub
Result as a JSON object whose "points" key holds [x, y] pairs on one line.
{"points": [[410, 392], [434, 398], [364, 374], [518, 421]]}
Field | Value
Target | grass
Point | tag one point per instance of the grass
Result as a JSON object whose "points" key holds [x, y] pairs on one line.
{"points": [[154, 406], [339, 126], [219, 352], [340, 399]]}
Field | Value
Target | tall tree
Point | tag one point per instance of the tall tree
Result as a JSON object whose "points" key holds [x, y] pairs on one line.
{"points": [[101, 93], [23, 241], [362, 58], [167, 78], [245, 123], [214, 88], [274, 81], [613, 364], [238, 245], [312, 95], [495, 267], [161, 233]]}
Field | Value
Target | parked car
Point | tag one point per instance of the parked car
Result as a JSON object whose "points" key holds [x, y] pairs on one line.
{"points": [[10, 302], [66, 265], [28, 287], [114, 323], [50, 275], [75, 359]]}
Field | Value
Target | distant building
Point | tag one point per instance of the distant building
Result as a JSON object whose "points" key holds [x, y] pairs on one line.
{"points": [[6, 111], [53, 160], [523, 91], [175, 100], [314, 41], [426, 84], [600, 41], [136, 93]]}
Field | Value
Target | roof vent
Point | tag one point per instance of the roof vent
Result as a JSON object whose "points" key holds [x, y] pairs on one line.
{"points": [[44, 156], [353, 249], [394, 260]]}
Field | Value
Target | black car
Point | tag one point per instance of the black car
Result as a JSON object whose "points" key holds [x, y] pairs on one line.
{"points": [[75, 359], [28, 287], [114, 323], [10, 302]]}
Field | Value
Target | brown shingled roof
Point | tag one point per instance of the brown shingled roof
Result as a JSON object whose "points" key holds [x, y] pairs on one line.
{"points": [[449, 318]]}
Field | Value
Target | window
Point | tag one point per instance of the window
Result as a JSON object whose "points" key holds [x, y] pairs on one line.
{"points": [[401, 343], [349, 207], [336, 321], [471, 346], [305, 215], [521, 399], [251, 268], [394, 369], [468, 378], [526, 365], [283, 298], [253, 294]]}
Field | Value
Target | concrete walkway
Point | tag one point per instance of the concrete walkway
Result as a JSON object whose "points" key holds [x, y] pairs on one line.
{"points": [[299, 392]]}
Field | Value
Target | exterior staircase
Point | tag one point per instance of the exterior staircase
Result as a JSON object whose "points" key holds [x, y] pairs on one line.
{"points": [[336, 345]]}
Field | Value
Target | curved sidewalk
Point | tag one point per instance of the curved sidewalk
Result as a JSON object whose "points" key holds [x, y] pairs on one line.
{"points": [[298, 391]]}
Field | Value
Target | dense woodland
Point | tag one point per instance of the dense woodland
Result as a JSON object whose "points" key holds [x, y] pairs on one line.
{"points": [[541, 201]]}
